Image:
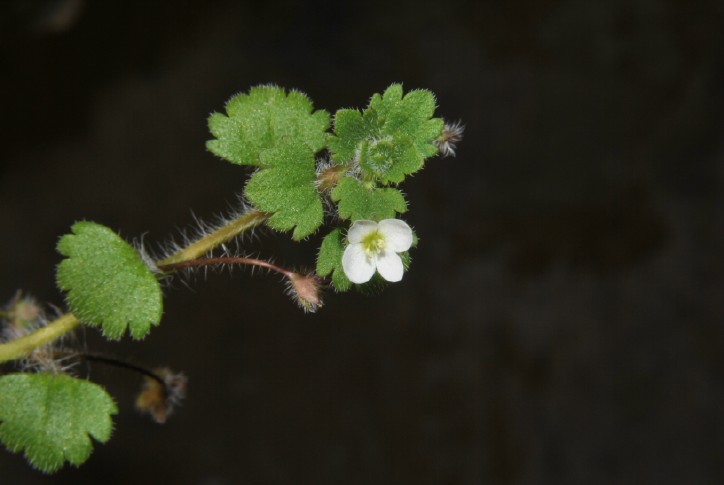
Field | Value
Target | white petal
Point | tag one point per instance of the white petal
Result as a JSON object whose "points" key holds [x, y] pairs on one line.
{"points": [[357, 266], [359, 230], [397, 234], [389, 265]]}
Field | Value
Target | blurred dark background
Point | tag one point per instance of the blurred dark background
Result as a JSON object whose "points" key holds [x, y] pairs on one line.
{"points": [[563, 318]]}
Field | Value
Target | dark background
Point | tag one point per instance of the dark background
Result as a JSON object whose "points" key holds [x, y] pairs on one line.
{"points": [[563, 318]]}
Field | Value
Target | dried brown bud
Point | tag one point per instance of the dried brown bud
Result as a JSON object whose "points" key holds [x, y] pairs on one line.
{"points": [[329, 176], [159, 398], [23, 314], [452, 133]]}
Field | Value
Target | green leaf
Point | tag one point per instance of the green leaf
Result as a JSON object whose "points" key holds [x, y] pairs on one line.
{"points": [[390, 158], [279, 133], [408, 115], [263, 119], [359, 202], [329, 260], [391, 138], [351, 129], [52, 417], [287, 188], [107, 283]]}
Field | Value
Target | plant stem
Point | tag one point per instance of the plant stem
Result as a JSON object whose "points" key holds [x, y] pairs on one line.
{"points": [[218, 261], [18, 348], [124, 365], [246, 221]]}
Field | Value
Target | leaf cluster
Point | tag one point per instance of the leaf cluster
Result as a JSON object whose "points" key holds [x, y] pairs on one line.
{"points": [[279, 133], [52, 418], [384, 144], [391, 138]]}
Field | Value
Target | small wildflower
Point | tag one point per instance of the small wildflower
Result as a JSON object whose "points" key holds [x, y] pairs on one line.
{"points": [[373, 246]]}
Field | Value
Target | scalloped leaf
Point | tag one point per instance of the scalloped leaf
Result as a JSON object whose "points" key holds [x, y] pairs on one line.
{"points": [[287, 188], [391, 138], [329, 260], [107, 283], [263, 119], [350, 128], [52, 418], [359, 202]]}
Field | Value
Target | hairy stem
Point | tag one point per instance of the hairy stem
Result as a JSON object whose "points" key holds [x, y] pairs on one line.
{"points": [[195, 263], [19, 348], [246, 221]]}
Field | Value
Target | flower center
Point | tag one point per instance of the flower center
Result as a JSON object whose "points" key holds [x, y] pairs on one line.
{"points": [[373, 243]]}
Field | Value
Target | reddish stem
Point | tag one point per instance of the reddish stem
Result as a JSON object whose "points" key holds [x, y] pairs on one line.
{"points": [[199, 262]]}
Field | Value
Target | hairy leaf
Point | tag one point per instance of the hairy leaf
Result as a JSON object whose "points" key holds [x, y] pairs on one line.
{"points": [[329, 260], [286, 187], [52, 418], [107, 283], [359, 202], [391, 138], [263, 119], [350, 128]]}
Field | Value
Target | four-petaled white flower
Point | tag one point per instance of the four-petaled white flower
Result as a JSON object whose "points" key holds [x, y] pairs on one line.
{"points": [[373, 246]]}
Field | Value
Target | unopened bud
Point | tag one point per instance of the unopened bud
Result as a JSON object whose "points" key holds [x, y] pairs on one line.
{"points": [[305, 289], [329, 176]]}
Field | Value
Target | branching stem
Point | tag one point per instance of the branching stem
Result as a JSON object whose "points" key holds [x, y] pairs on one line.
{"points": [[19, 348], [198, 248]]}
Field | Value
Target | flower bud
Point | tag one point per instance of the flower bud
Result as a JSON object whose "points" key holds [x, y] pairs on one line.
{"points": [[305, 289], [329, 176]]}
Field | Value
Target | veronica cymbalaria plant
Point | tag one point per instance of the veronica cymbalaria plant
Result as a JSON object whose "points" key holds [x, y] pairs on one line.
{"points": [[309, 171]]}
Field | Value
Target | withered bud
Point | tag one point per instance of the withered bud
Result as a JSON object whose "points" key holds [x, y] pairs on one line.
{"points": [[26, 310], [329, 176], [159, 399], [451, 135], [23, 314]]}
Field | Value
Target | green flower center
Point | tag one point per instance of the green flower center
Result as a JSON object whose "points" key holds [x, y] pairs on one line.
{"points": [[373, 243]]}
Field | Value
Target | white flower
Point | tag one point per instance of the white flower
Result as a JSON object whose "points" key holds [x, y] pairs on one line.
{"points": [[373, 246]]}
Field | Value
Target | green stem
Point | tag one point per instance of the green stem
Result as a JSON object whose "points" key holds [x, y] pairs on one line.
{"points": [[18, 348], [246, 221]]}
